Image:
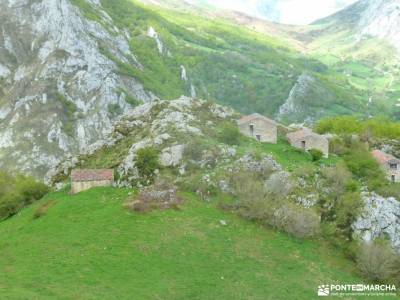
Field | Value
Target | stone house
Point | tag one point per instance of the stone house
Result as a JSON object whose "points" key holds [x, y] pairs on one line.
{"points": [[259, 127], [389, 163], [82, 180], [306, 139]]}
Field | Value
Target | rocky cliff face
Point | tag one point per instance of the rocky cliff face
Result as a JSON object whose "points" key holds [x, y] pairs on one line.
{"points": [[381, 19], [380, 218], [58, 90], [369, 18]]}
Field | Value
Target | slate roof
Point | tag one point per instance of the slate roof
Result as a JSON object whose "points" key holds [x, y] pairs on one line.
{"points": [[246, 119], [92, 175], [302, 134], [384, 158]]}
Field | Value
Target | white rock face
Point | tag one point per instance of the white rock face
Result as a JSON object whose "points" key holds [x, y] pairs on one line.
{"points": [[172, 156], [183, 74], [381, 217], [58, 82], [292, 106], [193, 92], [4, 71], [381, 19], [154, 35]]}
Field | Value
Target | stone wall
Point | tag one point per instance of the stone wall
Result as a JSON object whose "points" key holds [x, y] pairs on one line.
{"points": [[312, 142], [77, 187], [267, 132]]}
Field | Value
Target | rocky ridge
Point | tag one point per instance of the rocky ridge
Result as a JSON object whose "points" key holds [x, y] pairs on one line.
{"points": [[58, 82], [165, 125]]}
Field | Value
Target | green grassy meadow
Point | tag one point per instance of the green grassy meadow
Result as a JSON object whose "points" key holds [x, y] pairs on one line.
{"points": [[88, 246]]}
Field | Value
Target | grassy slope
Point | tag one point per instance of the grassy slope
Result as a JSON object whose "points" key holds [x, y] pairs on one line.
{"points": [[289, 157], [89, 247]]}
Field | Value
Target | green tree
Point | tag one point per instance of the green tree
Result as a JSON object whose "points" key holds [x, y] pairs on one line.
{"points": [[147, 162], [316, 155], [230, 134]]}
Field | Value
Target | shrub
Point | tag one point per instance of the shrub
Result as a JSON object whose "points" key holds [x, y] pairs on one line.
{"points": [[371, 128], [297, 221], [114, 109], [147, 162], [16, 192], [390, 190], [339, 125], [377, 261], [337, 146], [316, 155], [279, 184], [195, 183], [251, 194], [337, 178], [346, 210], [230, 134], [266, 203], [363, 165], [195, 149], [341, 202]]}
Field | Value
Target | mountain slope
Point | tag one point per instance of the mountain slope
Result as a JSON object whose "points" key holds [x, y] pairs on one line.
{"points": [[69, 68], [56, 85], [361, 42], [376, 18]]}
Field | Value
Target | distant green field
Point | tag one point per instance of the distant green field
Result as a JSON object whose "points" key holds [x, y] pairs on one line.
{"points": [[89, 247]]}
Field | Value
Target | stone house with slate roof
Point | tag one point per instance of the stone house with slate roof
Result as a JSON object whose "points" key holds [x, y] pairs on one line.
{"points": [[306, 139], [82, 180], [389, 163], [259, 127]]}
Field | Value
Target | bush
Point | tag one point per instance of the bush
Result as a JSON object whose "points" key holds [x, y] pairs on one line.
{"points": [[114, 109], [251, 195], [341, 203], [297, 221], [196, 183], [230, 134], [371, 128], [195, 149], [377, 261], [267, 203], [390, 190], [363, 165], [337, 146], [16, 192], [316, 155], [147, 162]]}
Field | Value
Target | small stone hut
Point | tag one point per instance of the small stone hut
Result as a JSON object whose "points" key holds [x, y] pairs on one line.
{"points": [[259, 127], [82, 180], [389, 163], [306, 139]]}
